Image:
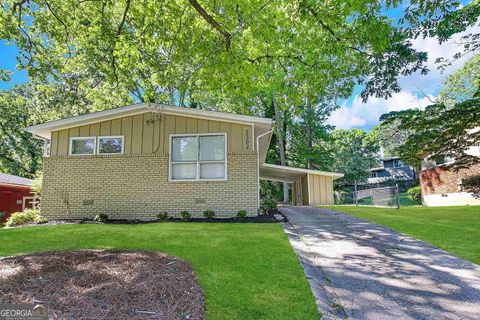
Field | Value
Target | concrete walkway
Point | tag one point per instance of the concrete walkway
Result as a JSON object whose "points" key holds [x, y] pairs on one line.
{"points": [[360, 270]]}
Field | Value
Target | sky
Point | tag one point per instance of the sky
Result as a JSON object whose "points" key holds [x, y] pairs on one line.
{"points": [[417, 90]]}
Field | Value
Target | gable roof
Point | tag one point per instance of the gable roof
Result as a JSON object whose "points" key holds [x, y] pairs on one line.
{"points": [[44, 130], [14, 180]]}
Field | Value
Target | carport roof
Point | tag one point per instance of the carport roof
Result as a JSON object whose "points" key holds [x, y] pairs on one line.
{"points": [[289, 174]]}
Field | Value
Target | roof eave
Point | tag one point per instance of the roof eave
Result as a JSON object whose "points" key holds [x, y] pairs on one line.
{"points": [[43, 130]]}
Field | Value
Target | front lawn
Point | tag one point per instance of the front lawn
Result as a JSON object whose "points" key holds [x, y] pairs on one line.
{"points": [[247, 271], [454, 229]]}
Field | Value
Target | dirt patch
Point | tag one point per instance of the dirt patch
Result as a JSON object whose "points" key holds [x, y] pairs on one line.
{"points": [[103, 285]]}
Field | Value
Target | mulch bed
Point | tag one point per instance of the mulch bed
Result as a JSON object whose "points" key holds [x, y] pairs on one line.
{"points": [[96, 284], [266, 218]]}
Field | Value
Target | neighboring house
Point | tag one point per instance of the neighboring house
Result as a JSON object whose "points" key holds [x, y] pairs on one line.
{"points": [[443, 186], [136, 161], [391, 168], [15, 195]]}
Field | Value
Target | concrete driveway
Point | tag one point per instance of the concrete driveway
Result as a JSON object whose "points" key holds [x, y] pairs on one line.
{"points": [[360, 270]]}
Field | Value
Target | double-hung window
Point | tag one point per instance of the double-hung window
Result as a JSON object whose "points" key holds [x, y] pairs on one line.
{"points": [[198, 157]]}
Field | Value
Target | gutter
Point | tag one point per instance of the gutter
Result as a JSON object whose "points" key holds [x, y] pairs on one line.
{"points": [[258, 165]]}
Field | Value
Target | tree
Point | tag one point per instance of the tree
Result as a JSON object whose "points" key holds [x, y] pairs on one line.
{"points": [[390, 137], [309, 136], [353, 154], [19, 155], [462, 84], [32, 103], [447, 128], [228, 55]]}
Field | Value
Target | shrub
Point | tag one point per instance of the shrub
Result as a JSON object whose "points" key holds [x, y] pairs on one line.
{"points": [[415, 194], [25, 217], [185, 215], [267, 204], [101, 217], [472, 183], [162, 215], [209, 214], [241, 214]]}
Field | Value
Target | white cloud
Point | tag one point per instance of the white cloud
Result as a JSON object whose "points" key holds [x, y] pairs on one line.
{"points": [[366, 115], [356, 114], [434, 79]]}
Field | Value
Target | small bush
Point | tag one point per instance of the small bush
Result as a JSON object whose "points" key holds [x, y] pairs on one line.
{"points": [[415, 194], [472, 183], [101, 217], [25, 217], [209, 214], [163, 215], [185, 215], [267, 204], [241, 214]]}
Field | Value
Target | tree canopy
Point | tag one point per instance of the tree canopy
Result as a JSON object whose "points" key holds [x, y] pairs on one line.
{"points": [[289, 60], [446, 129]]}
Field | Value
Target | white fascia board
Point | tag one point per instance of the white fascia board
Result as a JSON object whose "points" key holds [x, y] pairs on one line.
{"points": [[44, 130]]}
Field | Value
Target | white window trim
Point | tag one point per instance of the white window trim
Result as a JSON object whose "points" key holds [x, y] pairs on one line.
{"points": [[110, 137], [198, 161], [82, 154]]}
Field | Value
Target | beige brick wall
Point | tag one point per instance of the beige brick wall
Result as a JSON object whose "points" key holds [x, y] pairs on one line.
{"points": [[137, 187]]}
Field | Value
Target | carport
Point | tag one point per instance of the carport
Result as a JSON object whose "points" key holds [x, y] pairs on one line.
{"points": [[309, 187]]}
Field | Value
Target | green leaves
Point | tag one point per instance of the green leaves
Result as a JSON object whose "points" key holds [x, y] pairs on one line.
{"points": [[354, 153]]}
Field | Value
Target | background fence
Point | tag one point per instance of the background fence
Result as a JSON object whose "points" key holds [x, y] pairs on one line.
{"points": [[364, 195]]}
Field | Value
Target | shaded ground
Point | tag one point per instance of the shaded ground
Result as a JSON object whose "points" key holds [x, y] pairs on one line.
{"points": [[103, 285], [371, 272]]}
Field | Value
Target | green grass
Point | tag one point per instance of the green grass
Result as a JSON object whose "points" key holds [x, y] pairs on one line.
{"points": [[247, 271], [406, 201], [454, 229]]}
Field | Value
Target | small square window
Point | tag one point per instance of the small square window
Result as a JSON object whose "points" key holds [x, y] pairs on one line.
{"points": [[110, 145], [82, 145]]}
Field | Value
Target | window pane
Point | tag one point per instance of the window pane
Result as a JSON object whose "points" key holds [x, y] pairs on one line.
{"points": [[110, 145], [212, 170], [83, 146], [184, 149], [182, 171], [212, 148]]}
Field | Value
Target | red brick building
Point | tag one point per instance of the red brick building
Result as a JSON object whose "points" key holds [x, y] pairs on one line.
{"points": [[15, 195], [442, 186]]}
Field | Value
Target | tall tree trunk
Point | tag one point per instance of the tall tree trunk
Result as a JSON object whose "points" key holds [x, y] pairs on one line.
{"points": [[309, 133], [281, 144]]}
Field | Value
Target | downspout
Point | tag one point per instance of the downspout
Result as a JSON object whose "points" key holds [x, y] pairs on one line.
{"points": [[258, 166]]}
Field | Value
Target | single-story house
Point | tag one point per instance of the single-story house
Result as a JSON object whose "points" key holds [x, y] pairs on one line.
{"points": [[136, 161], [15, 195]]}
